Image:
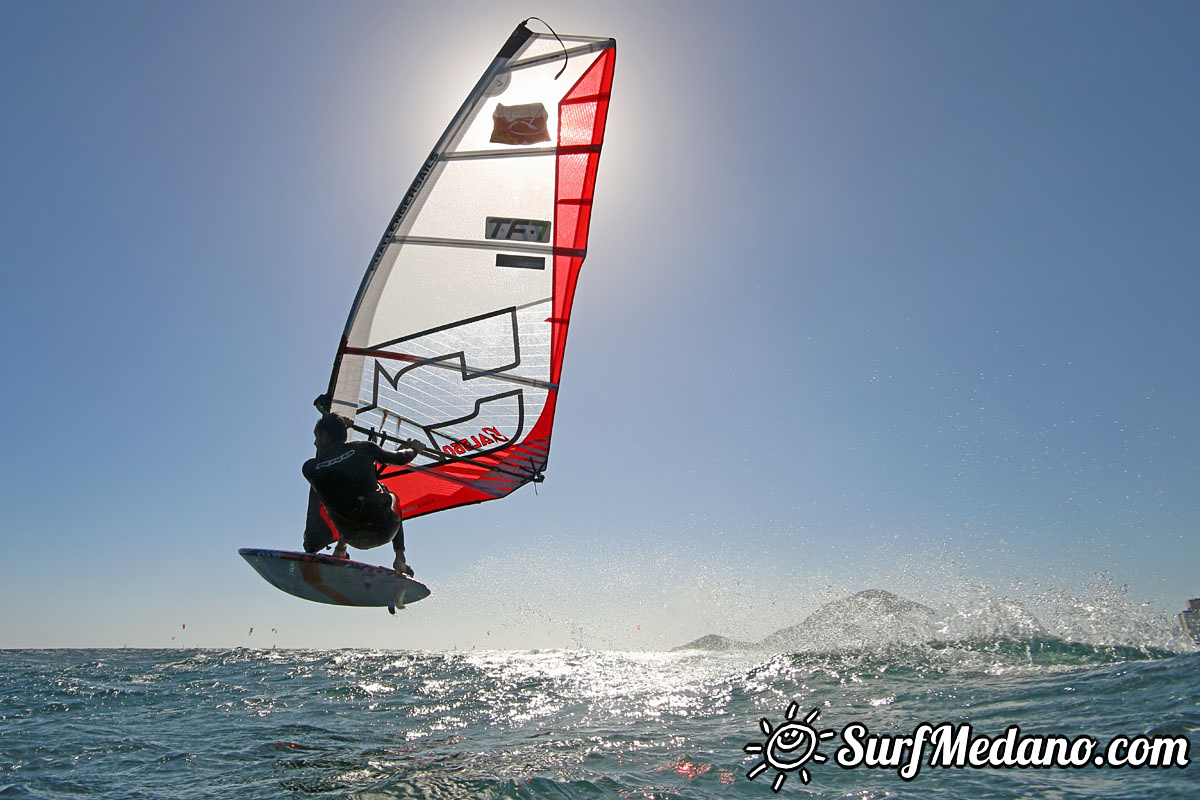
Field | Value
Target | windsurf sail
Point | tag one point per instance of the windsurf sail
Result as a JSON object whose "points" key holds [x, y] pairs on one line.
{"points": [[457, 334]]}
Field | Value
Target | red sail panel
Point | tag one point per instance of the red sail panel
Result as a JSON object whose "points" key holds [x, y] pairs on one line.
{"points": [[582, 116]]}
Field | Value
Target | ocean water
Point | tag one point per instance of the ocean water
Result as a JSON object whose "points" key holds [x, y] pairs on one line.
{"points": [[580, 724]]}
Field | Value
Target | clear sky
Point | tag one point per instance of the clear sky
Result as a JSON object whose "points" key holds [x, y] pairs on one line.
{"points": [[892, 295]]}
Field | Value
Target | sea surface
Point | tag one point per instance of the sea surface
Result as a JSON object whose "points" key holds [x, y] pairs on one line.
{"points": [[579, 724]]}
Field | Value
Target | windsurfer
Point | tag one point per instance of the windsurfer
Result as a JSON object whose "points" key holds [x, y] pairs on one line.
{"points": [[346, 502]]}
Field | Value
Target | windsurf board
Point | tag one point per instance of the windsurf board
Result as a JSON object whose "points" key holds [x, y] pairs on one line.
{"points": [[325, 579]]}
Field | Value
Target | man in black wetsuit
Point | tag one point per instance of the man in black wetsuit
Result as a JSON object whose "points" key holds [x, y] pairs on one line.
{"points": [[347, 502]]}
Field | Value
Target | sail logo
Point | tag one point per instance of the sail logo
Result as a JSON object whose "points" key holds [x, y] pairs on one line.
{"points": [[517, 230], [522, 124], [477, 441]]}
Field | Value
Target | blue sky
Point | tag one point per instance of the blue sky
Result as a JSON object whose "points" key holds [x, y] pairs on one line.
{"points": [[894, 295]]}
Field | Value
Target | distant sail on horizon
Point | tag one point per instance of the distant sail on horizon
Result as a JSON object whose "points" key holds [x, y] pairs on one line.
{"points": [[457, 334]]}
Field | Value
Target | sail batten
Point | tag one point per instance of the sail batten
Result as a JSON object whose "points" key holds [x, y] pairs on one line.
{"points": [[557, 57], [481, 154], [457, 334], [429, 241]]}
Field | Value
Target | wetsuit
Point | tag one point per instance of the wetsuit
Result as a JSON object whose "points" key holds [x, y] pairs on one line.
{"points": [[348, 501]]}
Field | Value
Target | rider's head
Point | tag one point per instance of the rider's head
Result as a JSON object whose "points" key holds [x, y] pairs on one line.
{"points": [[332, 428]]}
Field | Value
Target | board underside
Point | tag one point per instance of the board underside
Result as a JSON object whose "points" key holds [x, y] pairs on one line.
{"points": [[324, 579]]}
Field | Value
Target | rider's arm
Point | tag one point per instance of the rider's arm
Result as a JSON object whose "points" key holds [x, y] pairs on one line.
{"points": [[407, 452]]}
